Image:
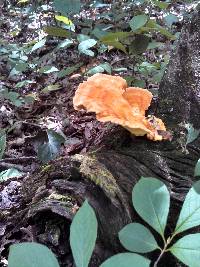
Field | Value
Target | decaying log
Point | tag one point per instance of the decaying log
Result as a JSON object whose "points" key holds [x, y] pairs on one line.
{"points": [[106, 176]]}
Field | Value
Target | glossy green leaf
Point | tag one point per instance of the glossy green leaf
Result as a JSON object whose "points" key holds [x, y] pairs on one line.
{"points": [[192, 133], [2, 144], [138, 21], [31, 255], [9, 173], [126, 260], [137, 238], [39, 44], [67, 6], [190, 212], [197, 169], [83, 234], [151, 200], [84, 46], [187, 250], [50, 148], [57, 31]]}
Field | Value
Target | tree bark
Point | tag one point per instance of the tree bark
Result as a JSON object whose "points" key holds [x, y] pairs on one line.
{"points": [[106, 176]]}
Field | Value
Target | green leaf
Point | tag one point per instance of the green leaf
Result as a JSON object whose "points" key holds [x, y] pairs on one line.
{"points": [[51, 88], [192, 133], [137, 238], [57, 31], [98, 33], [85, 45], [121, 70], [161, 5], [64, 20], [190, 212], [67, 6], [153, 45], [126, 260], [23, 83], [115, 36], [139, 45], [69, 70], [65, 43], [82, 37], [153, 26], [117, 45], [31, 255], [22, 66], [50, 149], [83, 234], [9, 173], [48, 69], [170, 19], [113, 39], [187, 250], [166, 33], [107, 67], [139, 83], [138, 21], [13, 97], [39, 44], [100, 68], [197, 169], [151, 200], [29, 99], [2, 144], [94, 70]]}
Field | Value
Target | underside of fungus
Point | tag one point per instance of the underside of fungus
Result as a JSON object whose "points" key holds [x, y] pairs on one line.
{"points": [[112, 101]]}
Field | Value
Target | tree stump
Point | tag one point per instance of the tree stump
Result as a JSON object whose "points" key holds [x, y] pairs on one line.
{"points": [[50, 197]]}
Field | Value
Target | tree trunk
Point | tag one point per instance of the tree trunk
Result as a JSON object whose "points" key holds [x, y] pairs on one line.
{"points": [[106, 176]]}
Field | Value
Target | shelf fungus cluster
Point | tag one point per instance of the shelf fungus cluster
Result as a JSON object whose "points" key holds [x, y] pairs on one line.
{"points": [[112, 101]]}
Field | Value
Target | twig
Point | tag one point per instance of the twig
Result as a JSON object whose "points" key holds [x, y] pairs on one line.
{"points": [[15, 160], [15, 166], [158, 259]]}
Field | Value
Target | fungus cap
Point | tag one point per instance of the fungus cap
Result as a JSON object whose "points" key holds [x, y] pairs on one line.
{"points": [[111, 100]]}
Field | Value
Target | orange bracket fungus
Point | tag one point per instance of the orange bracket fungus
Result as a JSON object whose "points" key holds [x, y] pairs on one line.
{"points": [[112, 101]]}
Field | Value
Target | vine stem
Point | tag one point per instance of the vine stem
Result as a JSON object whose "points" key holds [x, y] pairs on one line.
{"points": [[158, 259], [162, 251]]}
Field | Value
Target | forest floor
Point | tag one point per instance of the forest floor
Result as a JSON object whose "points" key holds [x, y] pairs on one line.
{"points": [[37, 118]]}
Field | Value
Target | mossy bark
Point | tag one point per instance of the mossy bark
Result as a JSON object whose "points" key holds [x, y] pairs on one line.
{"points": [[106, 176]]}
